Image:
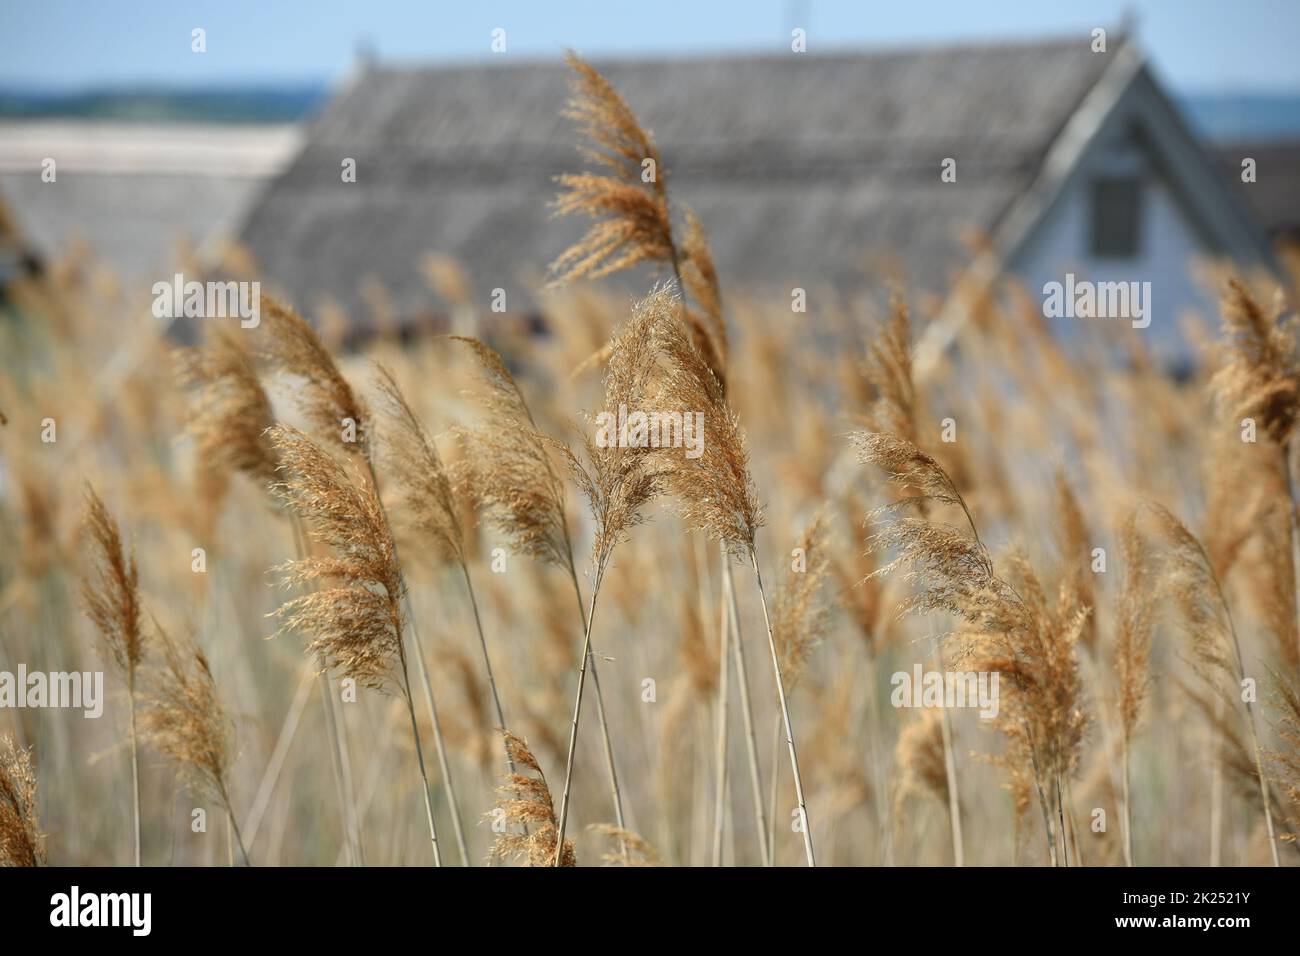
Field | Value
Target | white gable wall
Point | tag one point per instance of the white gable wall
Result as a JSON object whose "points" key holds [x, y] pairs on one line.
{"points": [[1187, 213], [1168, 245]]}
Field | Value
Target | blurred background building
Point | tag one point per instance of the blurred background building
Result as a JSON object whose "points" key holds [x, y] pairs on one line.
{"points": [[823, 170]]}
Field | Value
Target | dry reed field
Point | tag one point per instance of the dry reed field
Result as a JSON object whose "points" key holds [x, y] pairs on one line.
{"points": [[427, 603]]}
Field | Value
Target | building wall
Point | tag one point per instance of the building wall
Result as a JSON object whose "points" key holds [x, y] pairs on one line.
{"points": [[1169, 245]]}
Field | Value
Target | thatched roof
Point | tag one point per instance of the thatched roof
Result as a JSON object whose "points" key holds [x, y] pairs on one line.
{"points": [[135, 191], [805, 169], [1274, 196]]}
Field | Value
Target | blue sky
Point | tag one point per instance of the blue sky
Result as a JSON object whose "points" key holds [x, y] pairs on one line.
{"points": [[1196, 45]]}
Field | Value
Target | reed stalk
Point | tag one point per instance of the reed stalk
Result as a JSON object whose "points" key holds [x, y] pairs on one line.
{"points": [[804, 822], [720, 749], [747, 715]]}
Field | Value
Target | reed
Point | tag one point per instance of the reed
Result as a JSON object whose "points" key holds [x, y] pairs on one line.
{"points": [[355, 615], [110, 594], [800, 619], [628, 204], [519, 490], [1011, 630], [1132, 655], [343, 420], [1190, 582], [1258, 381], [617, 482], [431, 506], [183, 718], [976, 560], [21, 842], [526, 802], [893, 408], [715, 493]]}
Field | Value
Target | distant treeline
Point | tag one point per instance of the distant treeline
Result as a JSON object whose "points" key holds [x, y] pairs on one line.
{"points": [[1218, 117], [279, 104]]}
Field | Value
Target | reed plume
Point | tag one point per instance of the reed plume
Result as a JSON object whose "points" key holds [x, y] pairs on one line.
{"points": [[617, 481], [919, 756], [430, 502], [627, 200], [633, 224], [800, 618], [1284, 763], [1024, 638], [522, 495], [1259, 379], [329, 403], [894, 409], [355, 614], [1191, 583], [110, 594], [715, 492], [887, 372], [921, 478], [230, 420], [111, 590], [510, 469], [526, 802], [21, 843], [1132, 653], [628, 842], [230, 411], [702, 294], [1074, 540], [343, 421], [357, 621], [800, 613], [184, 719], [1042, 717], [418, 469]]}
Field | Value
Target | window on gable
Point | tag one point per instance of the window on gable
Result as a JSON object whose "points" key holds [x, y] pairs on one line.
{"points": [[1116, 217]]}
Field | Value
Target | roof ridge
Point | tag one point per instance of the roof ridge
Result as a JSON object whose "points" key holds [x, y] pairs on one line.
{"points": [[837, 53]]}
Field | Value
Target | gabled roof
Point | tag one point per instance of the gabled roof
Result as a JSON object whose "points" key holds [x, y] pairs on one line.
{"points": [[1274, 196], [1127, 102], [132, 190], [803, 168]]}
